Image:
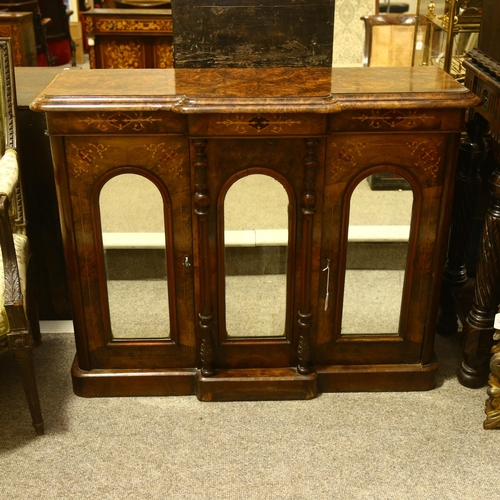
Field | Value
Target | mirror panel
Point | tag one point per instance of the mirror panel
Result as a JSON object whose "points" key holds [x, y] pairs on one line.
{"points": [[376, 258], [256, 252], [134, 253]]}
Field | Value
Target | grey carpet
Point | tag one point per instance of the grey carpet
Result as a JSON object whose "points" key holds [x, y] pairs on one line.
{"points": [[420, 445]]}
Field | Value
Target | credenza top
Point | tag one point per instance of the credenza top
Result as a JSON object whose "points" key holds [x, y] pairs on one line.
{"points": [[284, 90]]}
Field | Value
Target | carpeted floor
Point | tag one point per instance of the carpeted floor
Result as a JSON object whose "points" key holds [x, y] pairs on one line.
{"points": [[420, 445]]}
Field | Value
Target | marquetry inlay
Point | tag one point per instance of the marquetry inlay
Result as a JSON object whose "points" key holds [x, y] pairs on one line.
{"points": [[166, 156], [89, 25], [427, 154], [164, 55], [347, 156], [393, 118], [119, 121], [85, 158], [123, 55], [258, 123], [105, 25]]}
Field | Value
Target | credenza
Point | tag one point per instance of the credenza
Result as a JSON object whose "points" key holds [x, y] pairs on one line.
{"points": [[307, 138]]}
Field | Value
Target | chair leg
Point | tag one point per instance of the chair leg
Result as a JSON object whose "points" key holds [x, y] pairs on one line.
{"points": [[31, 303], [20, 344]]}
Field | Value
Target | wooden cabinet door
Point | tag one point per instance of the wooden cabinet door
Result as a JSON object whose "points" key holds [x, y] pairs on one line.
{"points": [[256, 249], [352, 324], [133, 52], [115, 178]]}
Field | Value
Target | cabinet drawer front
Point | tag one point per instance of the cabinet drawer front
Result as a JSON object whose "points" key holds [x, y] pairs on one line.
{"points": [[116, 123], [152, 25], [489, 94], [395, 120], [257, 124]]}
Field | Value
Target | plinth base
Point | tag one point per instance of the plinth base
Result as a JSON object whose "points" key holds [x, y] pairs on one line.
{"points": [[256, 385]]}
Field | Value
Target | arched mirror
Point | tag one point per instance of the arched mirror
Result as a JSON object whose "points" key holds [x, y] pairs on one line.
{"points": [[256, 233], [376, 261], [133, 234]]}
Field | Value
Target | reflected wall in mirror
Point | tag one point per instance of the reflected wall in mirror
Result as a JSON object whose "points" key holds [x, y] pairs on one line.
{"points": [[256, 233], [377, 251], [133, 232]]}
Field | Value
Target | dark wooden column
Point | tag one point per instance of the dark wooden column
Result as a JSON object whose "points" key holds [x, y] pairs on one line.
{"points": [[478, 331], [473, 149], [308, 209], [483, 79]]}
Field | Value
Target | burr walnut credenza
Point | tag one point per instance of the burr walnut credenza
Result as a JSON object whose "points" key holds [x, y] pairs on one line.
{"points": [[271, 309]]}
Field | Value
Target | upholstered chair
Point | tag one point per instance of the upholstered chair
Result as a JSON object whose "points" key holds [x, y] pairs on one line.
{"points": [[19, 327]]}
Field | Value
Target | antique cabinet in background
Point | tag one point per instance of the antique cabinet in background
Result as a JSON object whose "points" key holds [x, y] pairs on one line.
{"points": [[19, 27], [136, 38], [479, 160], [200, 140]]}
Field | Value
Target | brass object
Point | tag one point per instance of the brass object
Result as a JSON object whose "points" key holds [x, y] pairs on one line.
{"points": [[449, 34], [492, 408], [430, 9]]}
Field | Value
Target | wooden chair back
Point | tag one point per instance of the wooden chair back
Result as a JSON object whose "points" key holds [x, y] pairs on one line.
{"points": [[390, 38]]}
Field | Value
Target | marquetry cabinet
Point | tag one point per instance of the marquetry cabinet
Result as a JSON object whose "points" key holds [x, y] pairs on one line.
{"points": [[254, 311], [126, 39], [19, 27]]}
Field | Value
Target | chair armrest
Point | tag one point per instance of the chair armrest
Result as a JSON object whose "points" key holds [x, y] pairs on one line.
{"points": [[13, 294], [9, 172]]}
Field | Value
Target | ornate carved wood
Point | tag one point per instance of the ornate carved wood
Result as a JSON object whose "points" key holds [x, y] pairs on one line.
{"points": [[22, 319], [202, 207], [478, 331], [483, 77], [492, 408], [308, 210]]}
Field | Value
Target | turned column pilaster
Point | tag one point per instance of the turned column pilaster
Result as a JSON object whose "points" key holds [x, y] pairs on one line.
{"points": [[478, 331]]}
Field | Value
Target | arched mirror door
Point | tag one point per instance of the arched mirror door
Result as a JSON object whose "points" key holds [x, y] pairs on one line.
{"points": [[376, 260], [256, 257], [134, 242]]}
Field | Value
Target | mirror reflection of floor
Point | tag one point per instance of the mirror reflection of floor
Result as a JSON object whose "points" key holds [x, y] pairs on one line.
{"points": [[139, 309], [372, 296], [372, 301], [256, 305]]}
